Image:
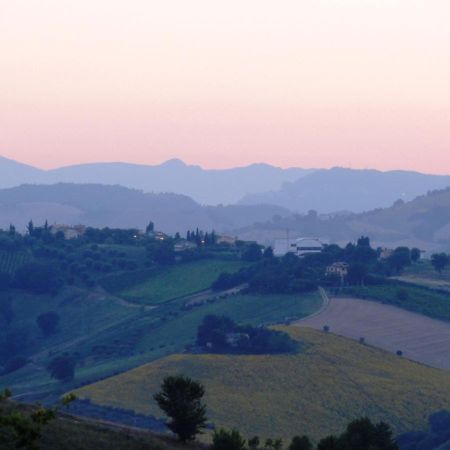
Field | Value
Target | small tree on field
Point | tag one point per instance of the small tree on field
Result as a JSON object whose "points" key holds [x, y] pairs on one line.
{"points": [[228, 440], [415, 254], [181, 399], [62, 368], [48, 323], [440, 261]]}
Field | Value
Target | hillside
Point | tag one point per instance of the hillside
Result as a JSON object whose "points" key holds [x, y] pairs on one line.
{"points": [[108, 334], [116, 206], [332, 381], [333, 190], [211, 187], [423, 222]]}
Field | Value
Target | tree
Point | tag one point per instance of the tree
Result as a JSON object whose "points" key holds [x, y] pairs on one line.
{"points": [[362, 434], [440, 261], [150, 228], [415, 254], [48, 322], [62, 368], [300, 443], [38, 278], [329, 443], [252, 253], [30, 228], [268, 252], [253, 443], [228, 440], [181, 399], [20, 430], [357, 273], [400, 258]]}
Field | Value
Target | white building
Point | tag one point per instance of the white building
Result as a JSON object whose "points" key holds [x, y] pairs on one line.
{"points": [[299, 247]]}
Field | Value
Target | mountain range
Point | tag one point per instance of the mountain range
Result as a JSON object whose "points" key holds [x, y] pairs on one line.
{"points": [[299, 190], [340, 189], [209, 187]]}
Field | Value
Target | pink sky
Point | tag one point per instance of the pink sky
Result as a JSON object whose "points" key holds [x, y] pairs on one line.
{"points": [[312, 83]]}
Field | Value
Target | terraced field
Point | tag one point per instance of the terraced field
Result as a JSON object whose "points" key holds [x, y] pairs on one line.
{"points": [[10, 261], [315, 392], [420, 338]]}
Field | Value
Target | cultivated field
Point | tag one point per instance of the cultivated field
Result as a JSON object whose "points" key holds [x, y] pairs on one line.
{"points": [[420, 338], [10, 261], [179, 280], [317, 392]]}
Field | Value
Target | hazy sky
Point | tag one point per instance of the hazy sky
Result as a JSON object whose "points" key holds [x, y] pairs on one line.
{"points": [[360, 83]]}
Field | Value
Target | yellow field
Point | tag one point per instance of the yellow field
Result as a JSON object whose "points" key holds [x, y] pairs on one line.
{"points": [[316, 392]]}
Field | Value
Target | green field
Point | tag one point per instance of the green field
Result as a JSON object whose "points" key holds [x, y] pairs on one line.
{"points": [[316, 392], [178, 280], [110, 337], [429, 302], [10, 261], [424, 269]]}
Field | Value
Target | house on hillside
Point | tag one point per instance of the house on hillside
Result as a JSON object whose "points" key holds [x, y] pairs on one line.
{"points": [[69, 232], [385, 253], [338, 268], [183, 245], [223, 239], [300, 247]]}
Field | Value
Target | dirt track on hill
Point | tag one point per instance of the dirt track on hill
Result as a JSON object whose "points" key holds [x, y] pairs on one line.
{"points": [[420, 338]]}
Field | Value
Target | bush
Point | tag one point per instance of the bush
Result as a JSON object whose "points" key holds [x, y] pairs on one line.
{"points": [[48, 323], [228, 440], [62, 368], [37, 278]]}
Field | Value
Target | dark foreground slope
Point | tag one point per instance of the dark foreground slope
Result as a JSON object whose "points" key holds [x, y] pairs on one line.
{"points": [[69, 432]]}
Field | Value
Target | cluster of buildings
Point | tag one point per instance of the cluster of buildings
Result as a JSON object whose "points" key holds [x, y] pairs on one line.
{"points": [[299, 247]]}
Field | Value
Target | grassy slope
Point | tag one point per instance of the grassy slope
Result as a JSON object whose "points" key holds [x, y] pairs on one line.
{"points": [[419, 299], [181, 279], [317, 392]]}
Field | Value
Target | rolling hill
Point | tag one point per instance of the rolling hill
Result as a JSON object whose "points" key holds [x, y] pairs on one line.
{"points": [[117, 206], [340, 189], [332, 381], [423, 222]]}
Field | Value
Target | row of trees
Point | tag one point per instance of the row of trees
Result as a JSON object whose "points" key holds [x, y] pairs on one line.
{"points": [[181, 399], [219, 334]]}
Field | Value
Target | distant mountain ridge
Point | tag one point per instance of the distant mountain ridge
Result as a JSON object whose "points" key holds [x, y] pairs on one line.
{"points": [[340, 189], [299, 190], [209, 187], [116, 206]]}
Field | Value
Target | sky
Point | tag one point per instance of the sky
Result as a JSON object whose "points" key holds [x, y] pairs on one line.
{"points": [[306, 83]]}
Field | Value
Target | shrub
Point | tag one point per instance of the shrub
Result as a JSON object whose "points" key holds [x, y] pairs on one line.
{"points": [[228, 440]]}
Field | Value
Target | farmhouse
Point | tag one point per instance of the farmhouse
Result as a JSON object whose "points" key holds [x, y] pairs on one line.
{"points": [[385, 253], [226, 240], [183, 245], [338, 268], [70, 232], [300, 247]]}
